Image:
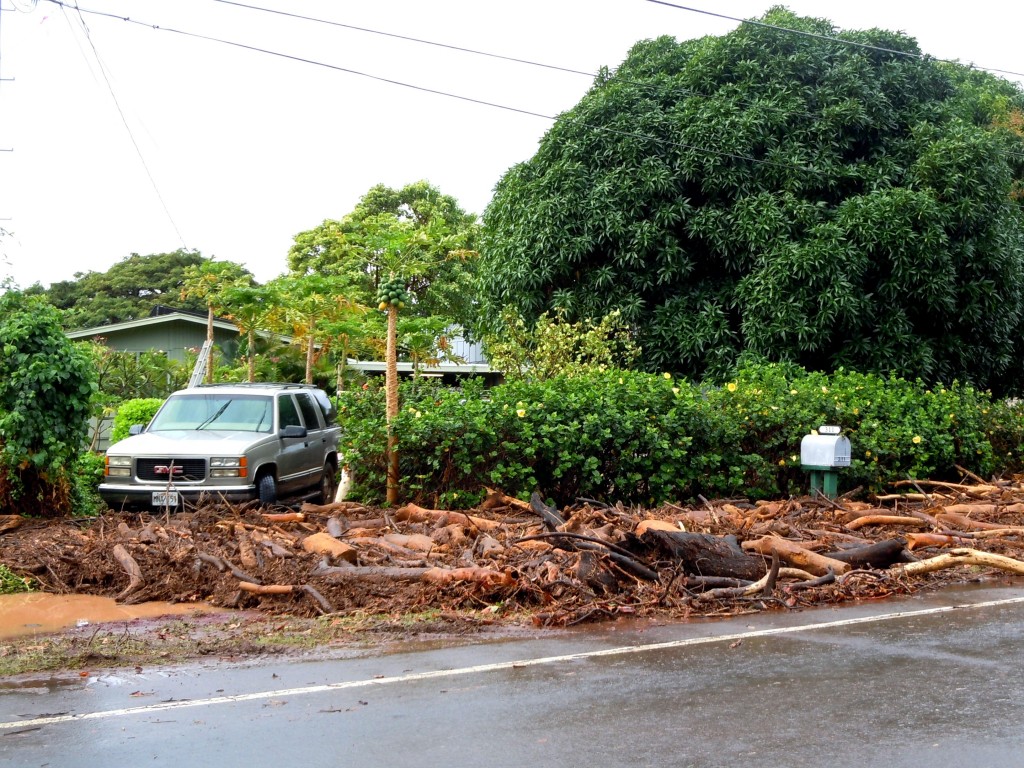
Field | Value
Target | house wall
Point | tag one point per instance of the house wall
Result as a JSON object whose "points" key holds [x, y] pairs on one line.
{"points": [[173, 337]]}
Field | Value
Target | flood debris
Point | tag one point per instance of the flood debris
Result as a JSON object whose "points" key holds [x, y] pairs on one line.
{"points": [[588, 561]]}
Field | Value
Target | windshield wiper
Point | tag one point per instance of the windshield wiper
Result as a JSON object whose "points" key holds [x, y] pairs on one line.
{"points": [[215, 416]]}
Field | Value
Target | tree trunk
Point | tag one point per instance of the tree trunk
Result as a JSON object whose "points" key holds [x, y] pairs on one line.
{"points": [[310, 341], [209, 338], [706, 555], [252, 357], [391, 384]]}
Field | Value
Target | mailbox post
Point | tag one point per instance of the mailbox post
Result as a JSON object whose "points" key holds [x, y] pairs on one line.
{"points": [[821, 455]]}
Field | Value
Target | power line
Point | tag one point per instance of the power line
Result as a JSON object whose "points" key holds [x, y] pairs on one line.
{"points": [[830, 38], [434, 91], [124, 121], [421, 41]]}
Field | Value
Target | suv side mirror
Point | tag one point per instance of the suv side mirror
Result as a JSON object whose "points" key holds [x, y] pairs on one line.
{"points": [[136, 429], [293, 431]]}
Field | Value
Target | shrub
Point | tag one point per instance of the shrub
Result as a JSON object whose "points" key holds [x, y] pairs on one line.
{"points": [[11, 583], [646, 438], [46, 386], [131, 412]]}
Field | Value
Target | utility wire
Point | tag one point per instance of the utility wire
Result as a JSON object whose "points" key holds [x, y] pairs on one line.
{"points": [[592, 75], [124, 121], [436, 92], [408, 39], [829, 38]]}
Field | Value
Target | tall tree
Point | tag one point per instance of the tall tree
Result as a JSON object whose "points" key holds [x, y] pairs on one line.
{"points": [[209, 281], [312, 305], [416, 232], [827, 198], [127, 291], [253, 309]]}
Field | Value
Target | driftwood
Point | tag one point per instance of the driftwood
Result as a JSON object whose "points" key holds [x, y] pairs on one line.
{"points": [[413, 513], [706, 555], [286, 589], [796, 555], [127, 562], [763, 585], [552, 520], [918, 540], [899, 520], [284, 517], [487, 577], [880, 555], [957, 557], [10, 522], [960, 520], [574, 541], [325, 544]]}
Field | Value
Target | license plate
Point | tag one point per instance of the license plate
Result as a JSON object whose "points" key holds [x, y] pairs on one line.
{"points": [[165, 498]]}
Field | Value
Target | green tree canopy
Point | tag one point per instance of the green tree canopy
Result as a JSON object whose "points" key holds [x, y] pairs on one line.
{"points": [[127, 291], [830, 199], [415, 232]]}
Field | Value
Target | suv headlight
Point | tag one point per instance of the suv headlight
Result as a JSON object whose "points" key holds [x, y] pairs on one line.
{"points": [[228, 466], [118, 466]]}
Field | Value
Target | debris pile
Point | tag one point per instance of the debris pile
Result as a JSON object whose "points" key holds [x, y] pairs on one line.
{"points": [[558, 567]]}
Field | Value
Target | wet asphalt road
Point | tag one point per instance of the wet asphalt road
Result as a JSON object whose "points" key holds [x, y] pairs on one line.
{"points": [[931, 681]]}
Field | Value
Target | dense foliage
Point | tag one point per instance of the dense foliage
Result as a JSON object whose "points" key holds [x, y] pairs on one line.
{"points": [[415, 233], [648, 438], [46, 388], [127, 291], [132, 412], [784, 196]]}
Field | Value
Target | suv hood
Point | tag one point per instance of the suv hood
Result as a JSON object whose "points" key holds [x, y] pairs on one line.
{"points": [[188, 442]]}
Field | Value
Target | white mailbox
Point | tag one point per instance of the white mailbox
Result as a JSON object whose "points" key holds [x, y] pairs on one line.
{"points": [[825, 450]]}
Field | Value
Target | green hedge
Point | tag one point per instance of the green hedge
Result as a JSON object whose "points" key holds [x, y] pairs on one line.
{"points": [[131, 412], [642, 438]]}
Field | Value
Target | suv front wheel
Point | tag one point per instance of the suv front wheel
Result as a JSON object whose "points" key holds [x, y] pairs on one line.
{"points": [[266, 487]]}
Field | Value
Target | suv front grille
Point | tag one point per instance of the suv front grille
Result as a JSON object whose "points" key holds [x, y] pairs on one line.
{"points": [[184, 470]]}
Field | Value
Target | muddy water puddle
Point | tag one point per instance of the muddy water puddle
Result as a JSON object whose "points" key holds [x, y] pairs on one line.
{"points": [[32, 613]]}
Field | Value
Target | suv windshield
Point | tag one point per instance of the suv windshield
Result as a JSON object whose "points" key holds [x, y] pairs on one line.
{"points": [[238, 413]]}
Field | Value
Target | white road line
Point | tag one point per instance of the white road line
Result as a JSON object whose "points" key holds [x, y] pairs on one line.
{"points": [[497, 667]]}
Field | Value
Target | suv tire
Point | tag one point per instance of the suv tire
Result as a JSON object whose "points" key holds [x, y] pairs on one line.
{"points": [[328, 483], [266, 486]]}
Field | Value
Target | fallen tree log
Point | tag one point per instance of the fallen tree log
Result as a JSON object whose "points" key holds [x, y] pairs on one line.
{"points": [[796, 555], [899, 520], [10, 522], [763, 585], [959, 520], [413, 513], [581, 541], [964, 556], [706, 555], [487, 577], [552, 520], [325, 544], [286, 589], [918, 540], [880, 555], [127, 562]]}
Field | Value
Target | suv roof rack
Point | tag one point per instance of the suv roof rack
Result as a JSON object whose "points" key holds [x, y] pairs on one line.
{"points": [[278, 384]]}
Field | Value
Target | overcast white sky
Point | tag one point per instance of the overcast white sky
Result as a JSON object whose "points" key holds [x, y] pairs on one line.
{"points": [[238, 151]]}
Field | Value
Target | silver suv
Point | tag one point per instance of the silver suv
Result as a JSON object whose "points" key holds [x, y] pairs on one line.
{"points": [[237, 442]]}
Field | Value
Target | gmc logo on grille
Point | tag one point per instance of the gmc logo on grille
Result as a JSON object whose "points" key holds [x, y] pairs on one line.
{"points": [[163, 469]]}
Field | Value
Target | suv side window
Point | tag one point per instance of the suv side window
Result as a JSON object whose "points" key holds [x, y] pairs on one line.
{"points": [[289, 416], [326, 407], [309, 412]]}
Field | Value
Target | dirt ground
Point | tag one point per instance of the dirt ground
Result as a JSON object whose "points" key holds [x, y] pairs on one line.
{"points": [[340, 577]]}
